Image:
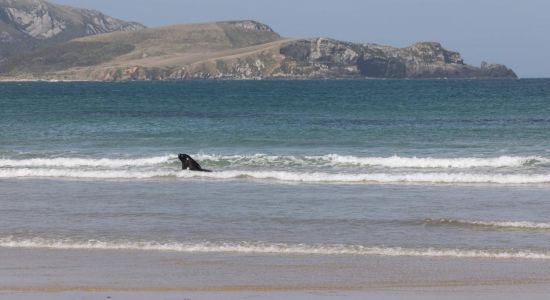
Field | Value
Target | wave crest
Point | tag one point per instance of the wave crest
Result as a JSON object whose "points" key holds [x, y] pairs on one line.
{"points": [[387, 162], [418, 162], [264, 160], [268, 248], [332, 168], [493, 224], [68, 162], [283, 176]]}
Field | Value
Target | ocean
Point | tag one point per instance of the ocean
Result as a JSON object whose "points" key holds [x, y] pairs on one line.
{"points": [[384, 168]]}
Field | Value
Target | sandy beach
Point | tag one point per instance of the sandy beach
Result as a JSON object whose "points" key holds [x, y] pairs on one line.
{"points": [[490, 293]]}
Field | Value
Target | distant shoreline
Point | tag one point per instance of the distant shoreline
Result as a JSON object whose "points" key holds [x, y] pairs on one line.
{"points": [[275, 79]]}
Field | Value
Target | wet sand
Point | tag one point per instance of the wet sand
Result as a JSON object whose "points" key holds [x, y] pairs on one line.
{"points": [[81, 274], [492, 293]]}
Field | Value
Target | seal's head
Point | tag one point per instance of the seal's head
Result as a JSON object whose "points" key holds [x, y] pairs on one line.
{"points": [[184, 157]]}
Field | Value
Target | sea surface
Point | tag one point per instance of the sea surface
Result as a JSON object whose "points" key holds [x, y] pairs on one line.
{"points": [[426, 168]]}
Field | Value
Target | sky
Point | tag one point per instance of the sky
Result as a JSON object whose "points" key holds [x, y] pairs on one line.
{"points": [[511, 32]]}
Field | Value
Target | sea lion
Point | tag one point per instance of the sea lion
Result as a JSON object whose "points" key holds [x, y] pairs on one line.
{"points": [[188, 163]]}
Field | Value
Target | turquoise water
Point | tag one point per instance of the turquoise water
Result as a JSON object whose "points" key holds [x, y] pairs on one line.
{"points": [[440, 118], [423, 168]]}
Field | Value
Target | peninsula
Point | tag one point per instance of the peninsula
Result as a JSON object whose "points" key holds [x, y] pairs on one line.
{"points": [[40, 40]]}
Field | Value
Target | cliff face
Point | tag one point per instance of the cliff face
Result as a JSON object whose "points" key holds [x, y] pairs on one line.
{"points": [[26, 24], [325, 58], [319, 59]]}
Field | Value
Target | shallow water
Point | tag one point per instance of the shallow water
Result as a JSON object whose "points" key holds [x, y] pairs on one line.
{"points": [[248, 217], [365, 168]]}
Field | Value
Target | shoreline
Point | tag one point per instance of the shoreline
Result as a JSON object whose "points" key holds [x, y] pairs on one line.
{"points": [[273, 79], [463, 286], [31, 271], [496, 292]]}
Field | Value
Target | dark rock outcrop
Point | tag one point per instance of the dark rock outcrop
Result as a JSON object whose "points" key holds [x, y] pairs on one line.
{"points": [[496, 71]]}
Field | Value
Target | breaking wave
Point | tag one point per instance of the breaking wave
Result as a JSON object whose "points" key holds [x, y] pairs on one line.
{"points": [[268, 248], [492, 224], [332, 168], [67, 162], [417, 162], [284, 176], [263, 160], [388, 162]]}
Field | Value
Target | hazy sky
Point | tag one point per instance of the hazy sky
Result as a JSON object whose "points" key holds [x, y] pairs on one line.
{"points": [[512, 32]]}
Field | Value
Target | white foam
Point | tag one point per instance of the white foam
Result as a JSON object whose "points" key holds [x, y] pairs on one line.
{"points": [[375, 177], [428, 162], [496, 224], [83, 174], [68, 162], [264, 160], [283, 176], [388, 162], [268, 248]]}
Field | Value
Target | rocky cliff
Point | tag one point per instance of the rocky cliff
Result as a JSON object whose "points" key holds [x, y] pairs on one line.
{"points": [[27, 24], [323, 58], [118, 50]]}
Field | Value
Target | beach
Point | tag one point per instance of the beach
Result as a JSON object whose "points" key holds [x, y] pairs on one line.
{"points": [[33, 274]]}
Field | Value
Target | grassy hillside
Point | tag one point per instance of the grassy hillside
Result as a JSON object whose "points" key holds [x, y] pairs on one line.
{"points": [[157, 47]]}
